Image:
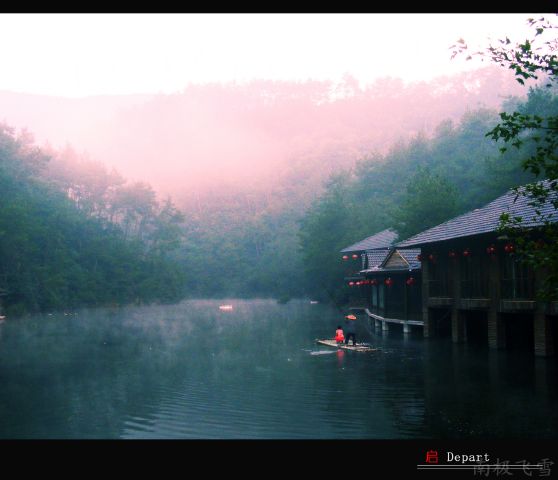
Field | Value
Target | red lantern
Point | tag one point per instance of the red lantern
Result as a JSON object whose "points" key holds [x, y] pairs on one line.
{"points": [[351, 284], [345, 257], [389, 282], [419, 257], [373, 282], [410, 281], [452, 254], [491, 250], [432, 257], [509, 248], [355, 256], [466, 252]]}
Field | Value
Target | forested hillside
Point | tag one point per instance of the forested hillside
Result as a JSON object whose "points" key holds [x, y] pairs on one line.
{"points": [[418, 184], [254, 134], [73, 235]]}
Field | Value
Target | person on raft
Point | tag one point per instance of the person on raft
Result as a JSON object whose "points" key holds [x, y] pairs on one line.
{"points": [[350, 328], [339, 336]]}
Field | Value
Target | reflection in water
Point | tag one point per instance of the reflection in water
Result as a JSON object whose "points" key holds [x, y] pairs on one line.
{"points": [[340, 354], [194, 371]]}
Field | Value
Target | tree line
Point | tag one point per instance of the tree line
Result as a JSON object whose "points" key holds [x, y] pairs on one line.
{"points": [[73, 234]]}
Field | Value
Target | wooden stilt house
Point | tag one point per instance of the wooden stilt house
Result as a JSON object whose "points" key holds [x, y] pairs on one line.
{"points": [[395, 288], [367, 253], [388, 284], [474, 286]]}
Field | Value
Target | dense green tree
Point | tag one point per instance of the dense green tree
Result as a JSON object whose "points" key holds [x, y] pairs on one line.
{"points": [[429, 200], [57, 251], [324, 231], [532, 128]]}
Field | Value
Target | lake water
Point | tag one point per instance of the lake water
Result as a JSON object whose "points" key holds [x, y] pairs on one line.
{"points": [[194, 371]]}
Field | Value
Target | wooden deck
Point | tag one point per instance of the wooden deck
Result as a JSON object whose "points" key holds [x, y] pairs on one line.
{"points": [[388, 320]]}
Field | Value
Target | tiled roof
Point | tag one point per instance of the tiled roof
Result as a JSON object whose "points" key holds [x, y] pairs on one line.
{"points": [[381, 256], [380, 240], [376, 257], [483, 220]]}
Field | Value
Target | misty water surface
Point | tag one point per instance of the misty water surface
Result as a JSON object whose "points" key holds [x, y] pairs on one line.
{"points": [[193, 371]]}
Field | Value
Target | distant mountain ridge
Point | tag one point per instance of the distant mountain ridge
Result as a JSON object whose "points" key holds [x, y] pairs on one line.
{"points": [[252, 134]]}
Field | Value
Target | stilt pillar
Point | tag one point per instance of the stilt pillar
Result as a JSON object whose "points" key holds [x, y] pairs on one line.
{"points": [[544, 344], [496, 331]]}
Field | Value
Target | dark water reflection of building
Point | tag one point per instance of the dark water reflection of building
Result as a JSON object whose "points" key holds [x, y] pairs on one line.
{"points": [[471, 391]]}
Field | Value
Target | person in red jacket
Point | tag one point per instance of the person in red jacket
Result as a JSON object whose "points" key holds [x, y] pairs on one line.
{"points": [[339, 336]]}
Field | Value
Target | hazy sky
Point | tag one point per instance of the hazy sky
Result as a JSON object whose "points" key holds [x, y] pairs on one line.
{"points": [[87, 54]]}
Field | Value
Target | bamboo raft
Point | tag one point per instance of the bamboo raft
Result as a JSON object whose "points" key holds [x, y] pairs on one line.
{"points": [[359, 347]]}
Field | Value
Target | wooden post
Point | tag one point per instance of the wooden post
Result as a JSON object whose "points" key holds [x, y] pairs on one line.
{"points": [[544, 378], [385, 326], [427, 317], [405, 307], [496, 330], [543, 338], [544, 342], [496, 325], [457, 326], [457, 316], [405, 300], [429, 327]]}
